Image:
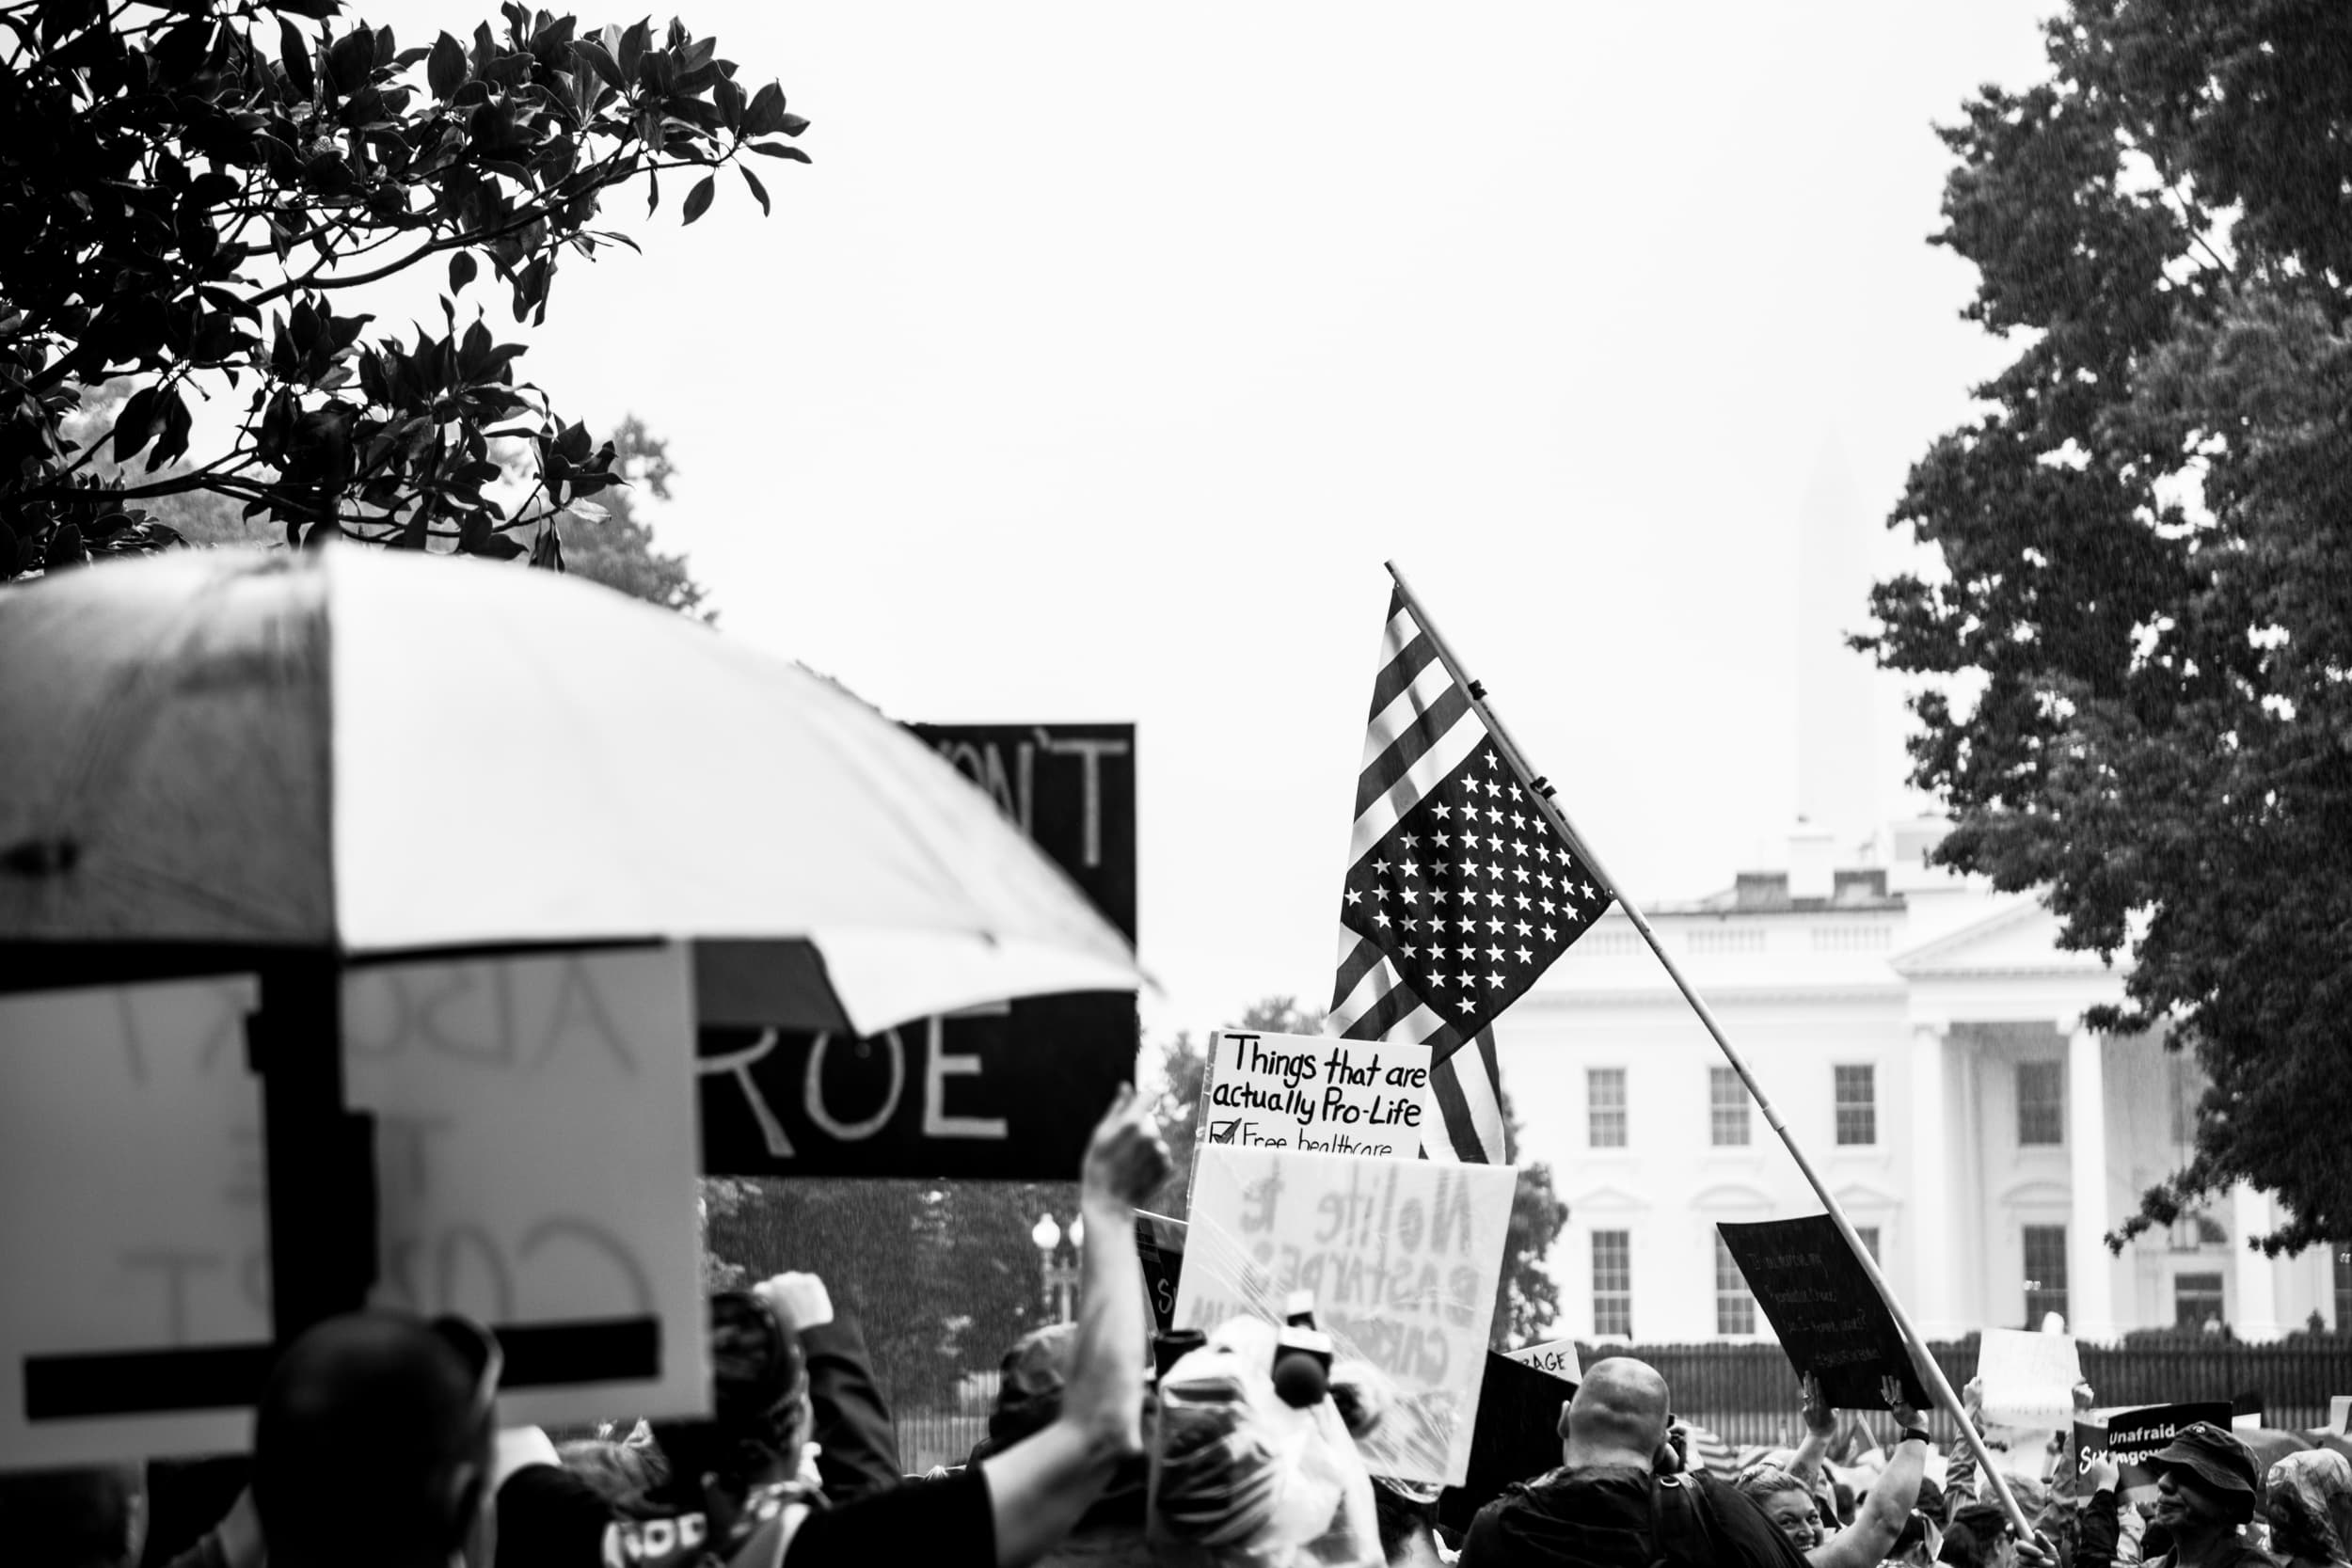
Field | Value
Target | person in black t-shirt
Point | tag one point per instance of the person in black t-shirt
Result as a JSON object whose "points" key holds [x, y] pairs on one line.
{"points": [[1607, 1505]]}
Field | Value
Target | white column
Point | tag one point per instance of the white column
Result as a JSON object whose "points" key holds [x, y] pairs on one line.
{"points": [[2255, 1313], [2090, 1270], [1928, 1234]]}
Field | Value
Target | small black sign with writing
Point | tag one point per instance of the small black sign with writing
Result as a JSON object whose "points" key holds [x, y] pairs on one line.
{"points": [[1517, 1436], [1830, 1317], [2130, 1437], [1160, 1243], [1009, 1092]]}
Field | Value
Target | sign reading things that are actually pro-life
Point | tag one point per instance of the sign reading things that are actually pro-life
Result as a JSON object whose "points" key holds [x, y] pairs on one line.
{"points": [[1315, 1093]]}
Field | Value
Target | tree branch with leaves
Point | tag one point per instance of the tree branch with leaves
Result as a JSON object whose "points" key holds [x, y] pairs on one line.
{"points": [[194, 189]]}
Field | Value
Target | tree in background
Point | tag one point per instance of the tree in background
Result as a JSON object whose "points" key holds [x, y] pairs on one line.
{"points": [[608, 543], [1528, 1301], [616, 548], [2146, 555], [190, 190]]}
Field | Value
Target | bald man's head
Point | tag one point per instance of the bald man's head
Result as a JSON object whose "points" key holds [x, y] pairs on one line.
{"points": [[370, 1445], [1618, 1416]]}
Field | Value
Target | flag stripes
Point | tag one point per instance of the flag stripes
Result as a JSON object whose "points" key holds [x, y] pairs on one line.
{"points": [[1459, 891]]}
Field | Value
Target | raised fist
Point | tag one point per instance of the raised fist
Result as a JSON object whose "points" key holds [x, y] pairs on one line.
{"points": [[1125, 1159]]}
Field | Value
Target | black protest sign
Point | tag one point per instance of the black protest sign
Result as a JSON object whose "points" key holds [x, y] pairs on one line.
{"points": [[1160, 1243], [1830, 1317], [1009, 1092], [2131, 1437], [1516, 1437]]}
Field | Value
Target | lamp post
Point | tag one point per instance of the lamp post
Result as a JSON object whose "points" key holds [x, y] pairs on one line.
{"points": [[1061, 1278]]}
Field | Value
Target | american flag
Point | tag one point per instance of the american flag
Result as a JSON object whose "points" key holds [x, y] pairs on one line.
{"points": [[1458, 892]]}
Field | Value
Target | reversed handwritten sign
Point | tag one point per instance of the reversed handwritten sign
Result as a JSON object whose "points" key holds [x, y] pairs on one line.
{"points": [[1830, 1317], [1401, 1257], [1556, 1357], [534, 1162], [2028, 1379], [1008, 1092], [131, 1201], [1315, 1094], [535, 1154]]}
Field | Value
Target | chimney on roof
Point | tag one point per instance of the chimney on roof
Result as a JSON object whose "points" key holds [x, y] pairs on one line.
{"points": [[1812, 862]]}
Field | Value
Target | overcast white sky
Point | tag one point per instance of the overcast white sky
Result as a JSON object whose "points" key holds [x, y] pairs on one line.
{"points": [[1105, 351]]}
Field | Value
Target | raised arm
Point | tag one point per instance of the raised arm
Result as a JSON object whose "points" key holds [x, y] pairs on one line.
{"points": [[1820, 1424], [1866, 1543], [1038, 1488]]}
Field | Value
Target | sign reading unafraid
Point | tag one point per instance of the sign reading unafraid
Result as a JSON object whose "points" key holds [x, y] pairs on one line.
{"points": [[1402, 1259], [534, 1162], [1830, 1317], [2132, 1437], [1009, 1091], [1315, 1094]]}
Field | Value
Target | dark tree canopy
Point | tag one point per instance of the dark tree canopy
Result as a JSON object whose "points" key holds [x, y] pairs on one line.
{"points": [[2146, 546], [191, 191]]}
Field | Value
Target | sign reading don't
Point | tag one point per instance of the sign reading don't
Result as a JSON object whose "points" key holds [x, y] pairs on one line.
{"points": [[1008, 1091]]}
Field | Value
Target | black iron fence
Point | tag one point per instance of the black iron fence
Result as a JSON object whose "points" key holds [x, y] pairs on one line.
{"points": [[1747, 1394]]}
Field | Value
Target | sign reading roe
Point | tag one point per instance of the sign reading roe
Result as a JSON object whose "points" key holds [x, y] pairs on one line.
{"points": [[1315, 1093]]}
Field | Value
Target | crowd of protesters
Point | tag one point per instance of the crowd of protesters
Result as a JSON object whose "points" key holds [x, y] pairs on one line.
{"points": [[376, 1445]]}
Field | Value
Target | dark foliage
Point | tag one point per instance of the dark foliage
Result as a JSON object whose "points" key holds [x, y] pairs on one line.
{"points": [[2146, 543], [191, 190]]}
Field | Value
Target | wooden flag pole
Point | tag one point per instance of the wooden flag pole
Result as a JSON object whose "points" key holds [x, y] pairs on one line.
{"points": [[1938, 1384]]}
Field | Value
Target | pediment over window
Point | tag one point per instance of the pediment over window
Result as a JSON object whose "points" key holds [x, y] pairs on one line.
{"points": [[1734, 1195], [2037, 1195], [1605, 1199], [1867, 1197]]}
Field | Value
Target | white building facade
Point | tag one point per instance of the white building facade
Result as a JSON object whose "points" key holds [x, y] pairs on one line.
{"points": [[1923, 1037]]}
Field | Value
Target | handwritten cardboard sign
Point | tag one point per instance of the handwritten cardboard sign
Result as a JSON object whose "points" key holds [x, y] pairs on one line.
{"points": [[1402, 1259], [131, 1168], [534, 1154], [2028, 1379], [1315, 1093], [1008, 1092], [1556, 1357], [1830, 1317], [2131, 1437]]}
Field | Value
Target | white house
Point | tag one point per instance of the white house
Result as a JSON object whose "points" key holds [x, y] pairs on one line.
{"points": [[1923, 1037]]}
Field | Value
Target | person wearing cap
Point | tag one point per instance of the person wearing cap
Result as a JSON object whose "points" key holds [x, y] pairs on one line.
{"points": [[2206, 1487]]}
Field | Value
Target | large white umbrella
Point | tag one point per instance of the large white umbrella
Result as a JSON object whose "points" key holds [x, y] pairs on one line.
{"points": [[364, 753]]}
